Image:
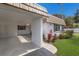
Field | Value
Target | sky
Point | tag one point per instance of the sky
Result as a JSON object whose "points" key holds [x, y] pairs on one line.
{"points": [[69, 9]]}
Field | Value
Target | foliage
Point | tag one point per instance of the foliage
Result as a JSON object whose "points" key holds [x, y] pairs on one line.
{"points": [[61, 36], [75, 25], [52, 39], [68, 47], [69, 22], [59, 15], [55, 38], [66, 34], [76, 18], [69, 32]]}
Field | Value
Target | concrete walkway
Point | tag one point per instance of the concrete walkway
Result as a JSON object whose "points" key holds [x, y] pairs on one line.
{"points": [[46, 50], [50, 47]]}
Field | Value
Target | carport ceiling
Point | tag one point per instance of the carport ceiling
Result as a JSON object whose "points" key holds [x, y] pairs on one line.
{"points": [[14, 14]]}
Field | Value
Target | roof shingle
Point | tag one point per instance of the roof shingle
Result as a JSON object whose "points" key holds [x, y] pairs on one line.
{"points": [[55, 20]]}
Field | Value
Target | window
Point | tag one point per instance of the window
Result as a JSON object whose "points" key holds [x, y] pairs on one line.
{"points": [[20, 27], [56, 27]]}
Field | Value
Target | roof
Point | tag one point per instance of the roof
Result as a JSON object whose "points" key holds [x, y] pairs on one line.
{"points": [[55, 20], [32, 7]]}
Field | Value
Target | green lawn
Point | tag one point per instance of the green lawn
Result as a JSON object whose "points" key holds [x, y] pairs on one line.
{"points": [[68, 47]]}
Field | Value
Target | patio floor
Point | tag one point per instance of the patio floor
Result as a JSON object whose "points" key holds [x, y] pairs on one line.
{"points": [[15, 47], [23, 46]]}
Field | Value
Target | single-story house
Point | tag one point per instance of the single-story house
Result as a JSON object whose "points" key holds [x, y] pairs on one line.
{"points": [[14, 19], [24, 19], [54, 24]]}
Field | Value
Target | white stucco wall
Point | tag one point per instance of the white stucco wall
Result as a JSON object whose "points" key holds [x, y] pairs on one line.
{"points": [[8, 30], [45, 30], [58, 33], [48, 26], [37, 32], [11, 17], [26, 31]]}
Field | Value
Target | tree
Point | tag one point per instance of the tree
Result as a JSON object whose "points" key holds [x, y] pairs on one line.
{"points": [[76, 18], [69, 22], [62, 9], [59, 16]]}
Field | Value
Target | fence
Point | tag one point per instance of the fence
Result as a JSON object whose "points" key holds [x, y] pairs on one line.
{"points": [[76, 30]]}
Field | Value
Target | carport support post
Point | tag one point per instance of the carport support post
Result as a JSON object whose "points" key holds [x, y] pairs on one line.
{"points": [[37, 32]]}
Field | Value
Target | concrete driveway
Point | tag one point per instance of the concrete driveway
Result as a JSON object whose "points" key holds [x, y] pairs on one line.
{"points": [[40, 52]]}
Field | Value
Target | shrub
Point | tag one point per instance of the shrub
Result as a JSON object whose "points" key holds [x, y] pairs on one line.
{"points": [[75, 25], [61, 36], [54, 38], [68, 34]]}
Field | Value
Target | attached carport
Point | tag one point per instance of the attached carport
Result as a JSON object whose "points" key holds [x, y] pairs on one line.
{"points": [[10, 18]]}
